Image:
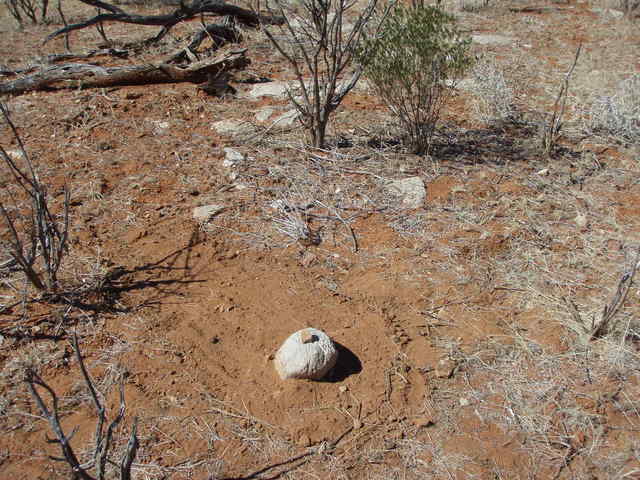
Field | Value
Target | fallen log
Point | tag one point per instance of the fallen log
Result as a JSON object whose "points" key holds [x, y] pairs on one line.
{"points": [[185, 11], [59, 57], [80, 75]]}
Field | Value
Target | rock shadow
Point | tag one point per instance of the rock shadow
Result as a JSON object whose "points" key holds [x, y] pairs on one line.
{"points": [[348, 364]]}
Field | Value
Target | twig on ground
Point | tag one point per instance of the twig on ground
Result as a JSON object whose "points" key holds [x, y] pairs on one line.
{"points": [[602, 326]]}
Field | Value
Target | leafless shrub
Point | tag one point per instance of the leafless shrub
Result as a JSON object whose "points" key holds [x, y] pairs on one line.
{"points": [[493, 95], [551, 131], [40, 235], [99, 462], [618, 114], [318, 44], [33, 10]]}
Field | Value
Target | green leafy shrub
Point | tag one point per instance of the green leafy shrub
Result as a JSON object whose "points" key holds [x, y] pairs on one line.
{"points": [[413, 64]]}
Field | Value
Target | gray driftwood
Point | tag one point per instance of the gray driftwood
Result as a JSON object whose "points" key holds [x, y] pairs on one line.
{"points": [[74, 75]]}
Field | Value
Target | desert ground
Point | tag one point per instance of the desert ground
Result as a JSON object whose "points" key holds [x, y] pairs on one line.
{"points": [[468, 324]]}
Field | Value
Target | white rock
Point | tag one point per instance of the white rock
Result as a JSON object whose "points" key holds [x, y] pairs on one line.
{"points": [[228, 127], [15, 154], [204, 213], [581, 220], [271, 89], [264, 114], [487, 39], [411, 190], [287, 118], [231, 157], [308, 353]]}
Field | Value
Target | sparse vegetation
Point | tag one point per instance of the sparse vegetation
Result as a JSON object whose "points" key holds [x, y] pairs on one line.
{"points": [[617, 115], [318, 42], [413, 64], [34, 10], [630, 7], [493, 95]]}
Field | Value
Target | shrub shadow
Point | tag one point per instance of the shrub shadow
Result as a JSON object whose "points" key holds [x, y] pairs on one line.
{"points": [[511, 140], [161, 279]]}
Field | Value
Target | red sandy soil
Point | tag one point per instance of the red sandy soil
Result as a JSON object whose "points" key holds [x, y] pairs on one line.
{"points": [[456, 358]]}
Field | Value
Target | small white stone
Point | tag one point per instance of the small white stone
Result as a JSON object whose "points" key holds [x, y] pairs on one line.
{"points": [[308, 353], [15, 154], [288, 118], [204, 213], [410, 190], [581, 220], [264, 114], [231, 157], [488, 39]]}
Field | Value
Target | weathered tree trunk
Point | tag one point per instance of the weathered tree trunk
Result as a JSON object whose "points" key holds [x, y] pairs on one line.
{"points": [[74, 75]]}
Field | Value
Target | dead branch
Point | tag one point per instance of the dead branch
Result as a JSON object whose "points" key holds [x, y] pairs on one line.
{"points": [[38, 63], [185, 11], [74, 75], [609, 311], [219, 34], [600, 327], [536, 9], [103, 440]]}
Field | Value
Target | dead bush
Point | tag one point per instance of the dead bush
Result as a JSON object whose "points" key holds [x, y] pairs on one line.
{"points": [[37, 239], [33, 10], [99, 462], [318, 43]]}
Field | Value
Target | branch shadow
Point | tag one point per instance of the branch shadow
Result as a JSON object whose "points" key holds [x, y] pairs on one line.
{"points": [[164, 277], [177, 266]]}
